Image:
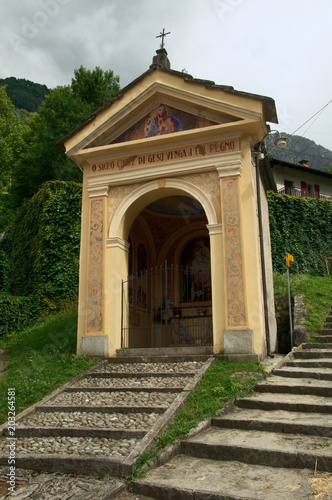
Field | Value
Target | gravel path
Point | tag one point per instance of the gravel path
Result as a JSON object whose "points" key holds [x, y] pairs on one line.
{"points": [[188, 366], [157, 382], [114, 398], [116, 448], [114, 421]]}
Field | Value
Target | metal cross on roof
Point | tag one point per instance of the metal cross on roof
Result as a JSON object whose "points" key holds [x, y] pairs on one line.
{"points": [[162, 36]]}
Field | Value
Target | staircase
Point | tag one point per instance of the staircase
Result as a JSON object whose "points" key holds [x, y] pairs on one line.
{"points": [[99, 423], [270, 446]]}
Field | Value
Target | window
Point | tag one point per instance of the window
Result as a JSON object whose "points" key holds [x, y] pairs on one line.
{"points": [[288, 187], [303, 189]]}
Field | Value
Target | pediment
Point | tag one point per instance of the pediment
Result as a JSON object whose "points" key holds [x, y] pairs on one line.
{"points": [[161, 110], [162, 120], [144, 113]]}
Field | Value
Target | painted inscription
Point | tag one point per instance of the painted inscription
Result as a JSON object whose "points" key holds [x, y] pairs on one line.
{"points": [[236, 313], [209, 149], [95, 274]]}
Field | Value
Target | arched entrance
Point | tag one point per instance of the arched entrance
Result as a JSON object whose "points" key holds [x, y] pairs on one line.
{"points": [[167, 297]]}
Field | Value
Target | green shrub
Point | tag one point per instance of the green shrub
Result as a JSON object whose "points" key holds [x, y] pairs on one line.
{"points": [[16, 313], [303, 228], [42, 246], [39, 256]]}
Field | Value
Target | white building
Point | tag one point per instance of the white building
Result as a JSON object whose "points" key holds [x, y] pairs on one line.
{"points": [[301, 180]]}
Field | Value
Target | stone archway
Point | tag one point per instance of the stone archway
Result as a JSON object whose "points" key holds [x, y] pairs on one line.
{"points": [[137, 312]]}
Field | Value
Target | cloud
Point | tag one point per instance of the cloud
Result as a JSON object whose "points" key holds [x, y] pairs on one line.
{"points": [[276, 49]]}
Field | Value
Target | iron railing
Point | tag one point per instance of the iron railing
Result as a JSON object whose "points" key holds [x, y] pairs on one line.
{"points": [[304, 193], [167, 306]]}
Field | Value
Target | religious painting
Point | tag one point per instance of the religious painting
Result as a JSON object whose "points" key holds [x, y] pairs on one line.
{"points": [[163, 120], [195, 262], [142, 265]]}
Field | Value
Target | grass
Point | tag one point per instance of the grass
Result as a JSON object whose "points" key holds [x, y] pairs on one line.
{"points": [[218, 385], [318, 296], [41, 358]]}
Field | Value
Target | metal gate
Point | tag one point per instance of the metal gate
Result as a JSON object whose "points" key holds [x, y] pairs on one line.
{"points": [[167, 307]]}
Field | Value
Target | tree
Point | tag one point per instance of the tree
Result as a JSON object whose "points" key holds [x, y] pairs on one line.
{"points": [[94, 87], [328, 168], [12, 143], [63, 110], [11, 138]]}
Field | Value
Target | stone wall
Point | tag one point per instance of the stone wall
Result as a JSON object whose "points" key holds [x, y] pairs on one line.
{"points": [[282, 316], [300, 333]]}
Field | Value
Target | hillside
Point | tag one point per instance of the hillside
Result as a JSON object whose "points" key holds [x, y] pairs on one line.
{"points": [[25, 94], [299, 148], [27, 97]]}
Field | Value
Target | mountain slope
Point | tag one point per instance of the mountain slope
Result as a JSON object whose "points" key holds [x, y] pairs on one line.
{"points": [[299, 148], [24, 93]]}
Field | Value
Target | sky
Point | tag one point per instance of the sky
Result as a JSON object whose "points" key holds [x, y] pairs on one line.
{"points": [[280, 49]]}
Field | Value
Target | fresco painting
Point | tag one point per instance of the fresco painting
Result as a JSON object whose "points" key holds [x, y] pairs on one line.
{"points": [[163, 120]]}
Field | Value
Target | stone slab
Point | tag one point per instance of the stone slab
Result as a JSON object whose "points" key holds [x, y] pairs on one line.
{"points": [[310, 363], [308, 386], [144, 353], [262, 448], [203, 479], [288, 402], [302, 372], [239, 341], [317, 345], [313, 354], [95, 345], [291, 422]]}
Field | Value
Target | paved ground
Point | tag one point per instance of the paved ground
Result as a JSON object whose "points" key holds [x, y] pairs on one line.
{"points": [[178, 478], [96, 424]]}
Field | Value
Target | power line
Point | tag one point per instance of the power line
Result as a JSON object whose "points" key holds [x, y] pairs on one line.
{"points": [[312, 117]]}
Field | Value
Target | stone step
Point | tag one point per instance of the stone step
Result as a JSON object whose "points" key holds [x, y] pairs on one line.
{"points": [[115, 421], [326, 339], [326, 331], [170, 354], [21, 431], [310, 363], [189, 478], [115, 398], [71, 452], [291, 422], [262, 448], [312, 354], [100, 409], [74, 464], [96, 388], [298, 372], [286, 402], [317, 345], [290, 385], [135, 382], [130, 375], [160, 364]]}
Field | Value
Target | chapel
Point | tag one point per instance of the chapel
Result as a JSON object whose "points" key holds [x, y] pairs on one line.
{"points": [[175, 251]]}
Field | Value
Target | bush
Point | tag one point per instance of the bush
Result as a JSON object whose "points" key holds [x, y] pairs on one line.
{"points": [[16, 313], [303, 228], [39, 256], [42, 245]]}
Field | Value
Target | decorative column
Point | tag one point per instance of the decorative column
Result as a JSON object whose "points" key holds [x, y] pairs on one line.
{"points": [[95, 342], [238, 338]]}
